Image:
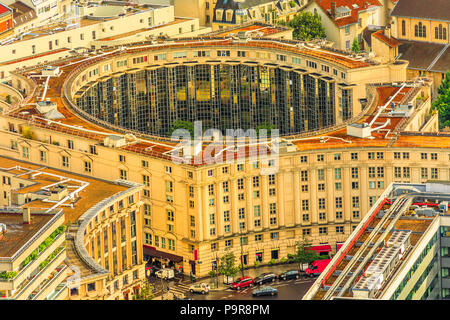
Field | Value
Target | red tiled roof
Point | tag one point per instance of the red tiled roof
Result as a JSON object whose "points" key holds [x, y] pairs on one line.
{"points": [[353, 18], [391, 42], [3, 9]]}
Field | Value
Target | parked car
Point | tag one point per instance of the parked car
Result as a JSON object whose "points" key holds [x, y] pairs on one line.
{"points": [[202, 288], [265, 278], [265, 291], [290, 274], [167, 274], [316, 268], [242, 282]]}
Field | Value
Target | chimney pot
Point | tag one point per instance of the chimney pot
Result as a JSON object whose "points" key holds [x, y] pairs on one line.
{"points": [[333, 10]]}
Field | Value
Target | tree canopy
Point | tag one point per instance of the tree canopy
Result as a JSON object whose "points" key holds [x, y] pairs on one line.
{"points": [[227, 265], [146, 292], [307, 26], [355, 46], [442, 103], [181, 124], [304, 254]]}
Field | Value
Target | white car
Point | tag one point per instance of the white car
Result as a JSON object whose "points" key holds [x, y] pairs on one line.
{"points": [[202, 288], [167, 274]]}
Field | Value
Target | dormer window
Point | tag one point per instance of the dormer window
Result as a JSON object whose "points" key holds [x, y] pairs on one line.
{"points": [[219, 14]]}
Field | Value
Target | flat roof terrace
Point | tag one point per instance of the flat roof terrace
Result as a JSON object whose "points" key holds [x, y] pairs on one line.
{"points": [[17, 233], [96, 191]]}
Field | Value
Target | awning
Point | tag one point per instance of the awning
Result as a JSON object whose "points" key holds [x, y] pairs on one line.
{"points": [[339, 245], [152, 252], [322, 248]]}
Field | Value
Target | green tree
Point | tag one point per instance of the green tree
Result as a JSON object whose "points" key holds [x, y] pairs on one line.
{"points": [[304, 254], [442, 103], [307, 26], [266, 125], [227, 266], [355, 46], [181, 124], [146, 292]]}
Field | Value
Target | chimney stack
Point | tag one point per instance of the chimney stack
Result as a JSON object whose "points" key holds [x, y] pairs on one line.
{"points": [[26, 216], [387, 31], [333, 10]]}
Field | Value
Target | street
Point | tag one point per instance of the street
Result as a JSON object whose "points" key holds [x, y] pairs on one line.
{"points": [[287, 290]]}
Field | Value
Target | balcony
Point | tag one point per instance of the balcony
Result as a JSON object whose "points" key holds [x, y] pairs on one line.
{"points": [[14, 283], [49, 285], [30, 285], [445, 241], [445, 261], [60, 293]]}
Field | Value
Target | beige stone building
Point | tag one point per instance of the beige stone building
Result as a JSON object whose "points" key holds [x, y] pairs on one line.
{"points": [[423, 29], [326, 178], [344, 20], [96, 254]]}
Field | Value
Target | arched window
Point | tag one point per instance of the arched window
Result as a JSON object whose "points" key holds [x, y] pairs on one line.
{"points": [[420, 30], [440, 33], [403, 28]]}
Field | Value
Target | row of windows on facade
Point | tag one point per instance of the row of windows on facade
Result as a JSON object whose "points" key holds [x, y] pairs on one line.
{"points": [[155, 240], [304, 173], [220, 53], [92, 287], [420, 31]]}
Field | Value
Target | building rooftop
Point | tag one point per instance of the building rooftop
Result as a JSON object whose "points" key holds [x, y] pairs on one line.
{"points": [[334, 137], [391, 42], [22, 13], [252, 28], [83, 192], [426, 56], [351, 6], [430, 9], [17, 233], [393, 219]]}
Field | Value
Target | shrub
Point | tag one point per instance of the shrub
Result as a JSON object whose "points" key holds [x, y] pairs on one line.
{"points": [[272, 262], [256, 264], [283, 260]]}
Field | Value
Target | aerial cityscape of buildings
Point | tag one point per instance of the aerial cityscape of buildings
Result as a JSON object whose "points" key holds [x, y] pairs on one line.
{"points": [[155, 149]]}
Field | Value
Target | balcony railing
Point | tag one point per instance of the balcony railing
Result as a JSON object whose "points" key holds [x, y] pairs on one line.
{"points": [[47, 282], [32, 281]]}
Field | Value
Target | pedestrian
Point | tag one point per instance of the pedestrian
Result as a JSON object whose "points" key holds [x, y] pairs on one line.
{"points": [[192, 277]]}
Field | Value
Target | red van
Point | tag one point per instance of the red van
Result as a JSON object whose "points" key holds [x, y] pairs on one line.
{"points": [[317, 267]]}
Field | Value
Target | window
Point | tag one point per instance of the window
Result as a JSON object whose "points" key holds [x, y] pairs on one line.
{"points": [[440, 32], [274, 236], [340, 229], [420, 30], [338, 201], [304, 188], [338, 186], [320, 174], [43, 156], [65, 161], [338, 214], [240, 184], [337, 156], [354, 156], [355, 202], [258, 237], [323, 230], [306, 232], [228, 243], [354, 173], [396, 155], [321, 203], [403, 28], [87, 166], [305, 217], [123, 174], [434, 156], [255, 182], [305, 205], [303, 159], [320, 158], [304, 175], [321, 187]]}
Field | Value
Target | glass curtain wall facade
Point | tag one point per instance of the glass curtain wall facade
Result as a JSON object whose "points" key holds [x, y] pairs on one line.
{"points": [[222, 96]]}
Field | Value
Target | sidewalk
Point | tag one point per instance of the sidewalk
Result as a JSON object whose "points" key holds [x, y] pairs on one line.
{"points": [[252, 272]]}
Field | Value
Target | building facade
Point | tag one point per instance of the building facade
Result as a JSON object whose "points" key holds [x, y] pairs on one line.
{"points": [[192, 213]]}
